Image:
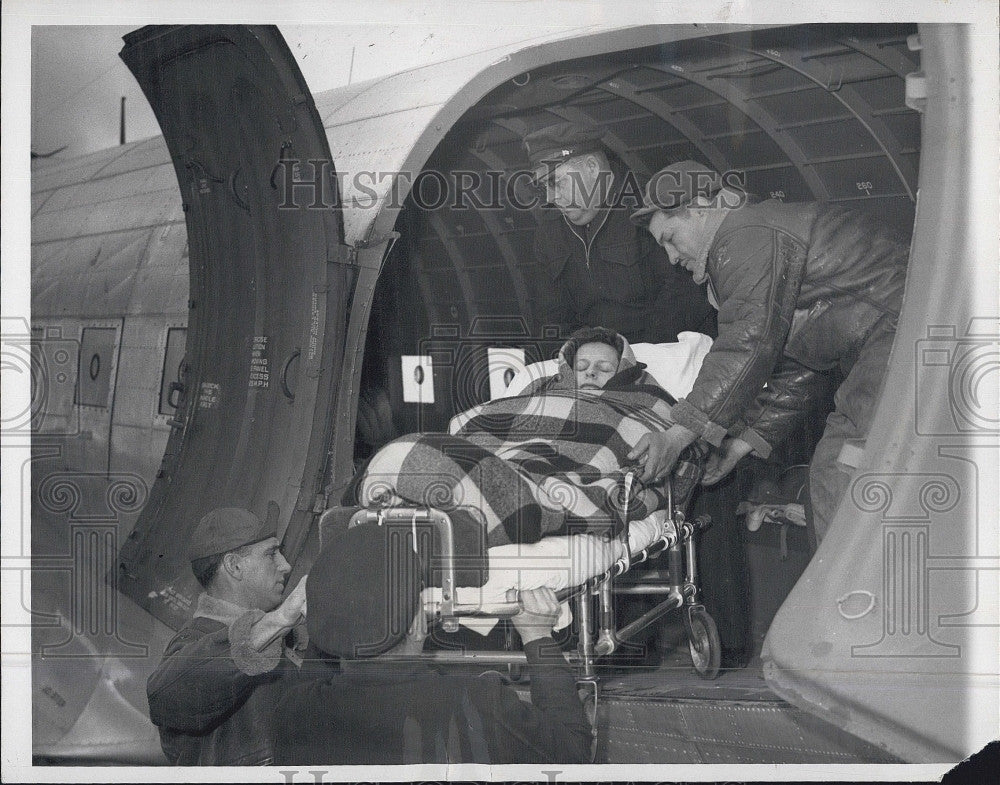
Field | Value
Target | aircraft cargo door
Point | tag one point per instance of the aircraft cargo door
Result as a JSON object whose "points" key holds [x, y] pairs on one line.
{"points": [[270, 284]]}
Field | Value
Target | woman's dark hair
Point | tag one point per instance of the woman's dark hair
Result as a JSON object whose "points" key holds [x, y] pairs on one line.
{"points": [[592, 335]]}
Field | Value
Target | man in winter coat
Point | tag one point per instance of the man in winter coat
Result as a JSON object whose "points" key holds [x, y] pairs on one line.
{"points": [[803, 291], [597, 267], [214, 693]]}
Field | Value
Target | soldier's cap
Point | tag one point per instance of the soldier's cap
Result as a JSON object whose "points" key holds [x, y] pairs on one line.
{"points": [[553, 145], [676, 186], [226, 528], [364, 591]]}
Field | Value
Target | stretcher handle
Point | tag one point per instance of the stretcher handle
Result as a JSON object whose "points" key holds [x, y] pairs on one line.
{"points": [[504, 610], [412, 516]]}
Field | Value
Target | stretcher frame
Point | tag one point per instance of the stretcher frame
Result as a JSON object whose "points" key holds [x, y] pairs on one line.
{"points": [[679, 590]]}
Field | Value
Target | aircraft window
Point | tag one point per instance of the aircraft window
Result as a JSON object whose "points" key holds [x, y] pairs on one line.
{"points": [[96, 360], [172, 378]]}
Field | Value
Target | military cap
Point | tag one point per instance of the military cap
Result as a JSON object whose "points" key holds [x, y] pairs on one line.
{"points": [[675, 186], [364, 590], [554, 144], [225, 529]]}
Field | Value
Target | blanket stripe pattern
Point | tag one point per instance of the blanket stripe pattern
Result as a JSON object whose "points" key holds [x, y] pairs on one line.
{"points": [[549, 461]]}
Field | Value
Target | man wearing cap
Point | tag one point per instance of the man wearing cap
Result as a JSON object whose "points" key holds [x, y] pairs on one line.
{"points": [[601, 269], [804, 291], [598, 268], [386, 707], [213, 695]]}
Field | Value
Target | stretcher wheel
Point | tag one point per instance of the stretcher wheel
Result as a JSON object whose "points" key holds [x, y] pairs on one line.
{"points": [[703, 642]]}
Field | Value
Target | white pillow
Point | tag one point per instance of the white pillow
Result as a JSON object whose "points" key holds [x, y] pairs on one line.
{"points": [[674, 366]]}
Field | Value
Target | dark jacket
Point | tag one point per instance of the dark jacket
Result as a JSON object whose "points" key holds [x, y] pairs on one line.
{"points": [[390, 713], [210, 711], [800, 288], [616, 277]]}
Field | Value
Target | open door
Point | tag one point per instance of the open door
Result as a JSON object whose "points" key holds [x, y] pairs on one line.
{"points": [[270, 282]]}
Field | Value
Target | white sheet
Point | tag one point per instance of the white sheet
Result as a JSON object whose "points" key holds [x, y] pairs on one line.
{"points": [[555, 562]]}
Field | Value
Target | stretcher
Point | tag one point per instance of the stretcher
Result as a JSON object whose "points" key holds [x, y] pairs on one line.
{"points": [[591, 568]]}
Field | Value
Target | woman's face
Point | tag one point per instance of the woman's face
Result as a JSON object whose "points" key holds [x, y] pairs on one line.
{"points": [[595, 364]]}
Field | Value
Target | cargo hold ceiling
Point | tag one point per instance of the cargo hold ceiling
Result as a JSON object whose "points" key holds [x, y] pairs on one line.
{"points": [[815, 112], [807, 112]]}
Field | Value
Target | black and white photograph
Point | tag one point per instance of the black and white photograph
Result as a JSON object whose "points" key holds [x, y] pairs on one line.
{"points": [[500, 390]]}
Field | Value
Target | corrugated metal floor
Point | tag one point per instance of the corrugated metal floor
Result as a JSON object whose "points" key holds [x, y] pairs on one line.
{"points": [[667, 730], [669, 715]]}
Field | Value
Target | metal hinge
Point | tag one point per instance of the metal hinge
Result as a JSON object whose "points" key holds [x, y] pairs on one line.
{"points": [[916, 82]]}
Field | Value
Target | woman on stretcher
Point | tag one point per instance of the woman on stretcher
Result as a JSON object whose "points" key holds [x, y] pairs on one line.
{"points": [[551, 460]]}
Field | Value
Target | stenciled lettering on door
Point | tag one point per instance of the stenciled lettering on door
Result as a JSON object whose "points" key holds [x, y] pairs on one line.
{"points": [[260, 373]]}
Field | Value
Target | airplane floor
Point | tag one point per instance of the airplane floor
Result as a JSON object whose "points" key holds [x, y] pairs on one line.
{"points": [[669, 714]]}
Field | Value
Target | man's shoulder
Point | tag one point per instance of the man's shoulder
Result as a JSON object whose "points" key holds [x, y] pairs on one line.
{"points": [[194, 630], [794, 218]]}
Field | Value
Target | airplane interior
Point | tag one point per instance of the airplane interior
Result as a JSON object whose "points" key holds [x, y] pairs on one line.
{"points": [[241, 311]]}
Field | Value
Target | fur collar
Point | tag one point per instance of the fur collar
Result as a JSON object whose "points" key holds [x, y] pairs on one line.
{"points": [[216, 608]]}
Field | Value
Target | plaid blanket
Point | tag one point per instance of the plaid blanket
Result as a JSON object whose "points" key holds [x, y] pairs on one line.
{"points": [[549, 461]]}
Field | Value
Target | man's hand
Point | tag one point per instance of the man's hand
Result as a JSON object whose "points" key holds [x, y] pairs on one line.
{"points": [[294, 605], [722, 461], [658, 452], [539, 613], [276, 623]]}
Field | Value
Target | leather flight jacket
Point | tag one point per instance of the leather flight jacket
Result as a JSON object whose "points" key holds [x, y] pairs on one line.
{"points": [[799, 288]]}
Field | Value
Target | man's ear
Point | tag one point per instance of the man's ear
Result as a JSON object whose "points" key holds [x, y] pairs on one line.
{"points": [[592, 162], [231, 564]]}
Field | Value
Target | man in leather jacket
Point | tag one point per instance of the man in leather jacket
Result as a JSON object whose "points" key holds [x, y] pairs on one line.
{"points": [[213, 695], [803, 290], [598, 268]]}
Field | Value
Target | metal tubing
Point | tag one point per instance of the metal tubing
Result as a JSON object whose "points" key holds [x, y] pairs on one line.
{"points": [[692, 560], [674, 601], [647, 589], [675, 564], [586, 644], [606, 642], [477, 657]]}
